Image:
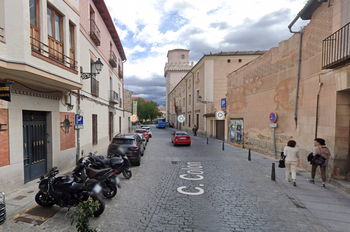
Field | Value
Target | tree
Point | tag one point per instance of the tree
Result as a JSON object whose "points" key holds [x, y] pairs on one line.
{"points": [[146, 110]]}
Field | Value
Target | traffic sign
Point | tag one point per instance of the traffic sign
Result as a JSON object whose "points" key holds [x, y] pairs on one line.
{"points": [[181, 118], [273, 125], [273, 117], [219, 115], [134, 118], [223, 103], [78, 119]]}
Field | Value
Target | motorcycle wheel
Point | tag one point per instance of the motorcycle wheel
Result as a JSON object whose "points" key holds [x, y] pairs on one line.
{"points": [[43, 200], [127, 174], [98, 198], [111, 190]]}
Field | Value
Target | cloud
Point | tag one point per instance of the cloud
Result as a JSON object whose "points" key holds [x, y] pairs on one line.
{"points": [[220, 25]]}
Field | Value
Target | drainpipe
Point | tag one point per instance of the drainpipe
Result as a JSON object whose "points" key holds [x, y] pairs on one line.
{"points": [[299, 64]]}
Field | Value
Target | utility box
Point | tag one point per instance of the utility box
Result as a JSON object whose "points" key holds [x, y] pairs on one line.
{"points": [[70, 100]]}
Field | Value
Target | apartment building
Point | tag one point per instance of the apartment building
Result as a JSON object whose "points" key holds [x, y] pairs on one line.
{"points": [[101, 100], [39, 53], [197, 96], [311, 101]]}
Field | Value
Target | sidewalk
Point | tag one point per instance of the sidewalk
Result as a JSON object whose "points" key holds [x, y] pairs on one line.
{"points": [[330, 206]]}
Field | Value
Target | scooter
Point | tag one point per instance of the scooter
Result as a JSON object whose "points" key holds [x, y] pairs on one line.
{"points": [[65, 192]]}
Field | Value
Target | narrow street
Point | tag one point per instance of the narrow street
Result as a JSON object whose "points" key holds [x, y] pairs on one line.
{"points": [[231, 194]]}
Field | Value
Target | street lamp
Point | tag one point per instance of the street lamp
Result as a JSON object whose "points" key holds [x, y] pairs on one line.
{"points": [[98, 67], [200, 100]]}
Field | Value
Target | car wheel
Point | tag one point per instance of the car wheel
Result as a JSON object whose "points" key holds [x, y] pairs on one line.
{"points": [[189, 144], [137, 163]]}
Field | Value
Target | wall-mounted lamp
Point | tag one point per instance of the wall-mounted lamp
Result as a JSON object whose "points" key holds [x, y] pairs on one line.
{"points": [[200, 100], [98, 67]]}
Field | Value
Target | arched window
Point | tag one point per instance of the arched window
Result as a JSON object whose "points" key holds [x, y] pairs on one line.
{"points": [[182, 56]]}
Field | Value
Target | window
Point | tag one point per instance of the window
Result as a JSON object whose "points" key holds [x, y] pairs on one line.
{"points": [[189, 83], [72, 44], [239, 60], [94, 130], [182, 56], [189, 120], [183, 102], [34, 24], [189, 99], [55, 34], [95, 85], [228, 61], [197, 95], [197, 78]]}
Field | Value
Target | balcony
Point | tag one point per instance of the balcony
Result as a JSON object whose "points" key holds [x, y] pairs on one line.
{"points": [[120, 72], [95, 33], [44, 51], [2, 37], [95, 87], [113, 59], [336, 49], [113, 97]]}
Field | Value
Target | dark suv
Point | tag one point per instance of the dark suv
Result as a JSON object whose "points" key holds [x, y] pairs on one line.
{"points": [[132, 145]]}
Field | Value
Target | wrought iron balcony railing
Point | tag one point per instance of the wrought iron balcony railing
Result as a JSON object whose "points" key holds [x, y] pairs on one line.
{"points": [[52, 54], [2, 34], [113, 59], [113, 97], [120, 72], [95, 32], [336, 49]]}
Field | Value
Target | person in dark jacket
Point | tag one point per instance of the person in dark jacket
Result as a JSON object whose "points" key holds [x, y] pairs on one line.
{"points": [[195, 130], [320, 149]]}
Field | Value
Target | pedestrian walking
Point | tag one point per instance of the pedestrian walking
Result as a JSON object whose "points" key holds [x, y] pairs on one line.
{"points": [[291, 153], [320, 149], [194, 129]]}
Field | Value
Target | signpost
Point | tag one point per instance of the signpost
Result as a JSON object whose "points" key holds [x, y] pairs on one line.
{"points": [[273, 125], [134, 109]]}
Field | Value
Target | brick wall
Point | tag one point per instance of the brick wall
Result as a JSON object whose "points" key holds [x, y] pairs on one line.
{"points": [[67, 140], [4, 139]]}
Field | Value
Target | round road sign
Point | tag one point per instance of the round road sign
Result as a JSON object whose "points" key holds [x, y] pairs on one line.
{"points": [[273, 117], [219, 115], [134, 118], [181, 118]]}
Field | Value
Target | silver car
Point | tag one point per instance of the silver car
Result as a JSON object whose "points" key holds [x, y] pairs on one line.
{"points": [[144, 142], [149, 130]]}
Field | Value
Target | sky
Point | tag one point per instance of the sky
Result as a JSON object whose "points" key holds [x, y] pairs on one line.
{"points": [[149, 28]]}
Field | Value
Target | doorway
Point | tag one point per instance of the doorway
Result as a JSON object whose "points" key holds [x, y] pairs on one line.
{"points": [[220, 129], [34, 144]]}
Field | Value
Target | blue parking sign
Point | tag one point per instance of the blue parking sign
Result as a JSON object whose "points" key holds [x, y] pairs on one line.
{"points": [[79, 120], [223, 103]]}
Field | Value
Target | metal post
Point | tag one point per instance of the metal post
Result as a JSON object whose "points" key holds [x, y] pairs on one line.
{"points": [[249, 155], [223, 147], [273, 173], [78, 131], [274, 143]]}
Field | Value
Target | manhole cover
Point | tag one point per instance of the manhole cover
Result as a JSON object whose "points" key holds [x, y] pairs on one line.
{"points": [[19, 198], [37, 215]]}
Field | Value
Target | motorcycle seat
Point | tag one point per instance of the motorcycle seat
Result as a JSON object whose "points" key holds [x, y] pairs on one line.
{"points": [[97, 172]]}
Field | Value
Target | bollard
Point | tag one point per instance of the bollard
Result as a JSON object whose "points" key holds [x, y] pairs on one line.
{"points": [[273, 173], [223, 147], [207, 140], [249, 155]]}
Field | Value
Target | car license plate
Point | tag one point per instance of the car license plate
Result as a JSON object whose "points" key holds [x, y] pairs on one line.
{"points": [[97, 188], [183, 138]]}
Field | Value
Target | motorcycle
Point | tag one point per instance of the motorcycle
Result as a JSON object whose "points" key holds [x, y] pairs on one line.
{"points": [[65, 192], [118, 161]]}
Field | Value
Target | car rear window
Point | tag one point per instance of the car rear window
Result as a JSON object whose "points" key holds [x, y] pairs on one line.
{"points": [[123, 141], [181, 133], [140, 131]]}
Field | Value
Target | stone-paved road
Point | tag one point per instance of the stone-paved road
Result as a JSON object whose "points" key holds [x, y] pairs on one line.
{"points": [[238, 195]]}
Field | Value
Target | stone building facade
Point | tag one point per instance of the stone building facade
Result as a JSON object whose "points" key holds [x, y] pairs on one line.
{"points": [[269, 84], [128, 100], [208, 79]]}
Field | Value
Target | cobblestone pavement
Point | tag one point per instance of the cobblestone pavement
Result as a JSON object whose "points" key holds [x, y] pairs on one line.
{"points": [[238, 195]]}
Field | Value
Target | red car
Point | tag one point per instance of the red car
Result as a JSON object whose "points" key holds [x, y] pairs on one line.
{"points": [[181, 137], [144, 132]]}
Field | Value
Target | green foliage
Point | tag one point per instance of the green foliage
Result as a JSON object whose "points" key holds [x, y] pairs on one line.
{"points": [[81, 214], [146, 110]]}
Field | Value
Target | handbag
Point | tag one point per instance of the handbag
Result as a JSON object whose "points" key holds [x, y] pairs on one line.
{"points": [[319, 160], [281, 163]]}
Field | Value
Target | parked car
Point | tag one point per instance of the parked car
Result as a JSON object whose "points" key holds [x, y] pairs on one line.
{"points": [[142, 131], [132, 145], [149, 130], [181, 137], [144, 141]]}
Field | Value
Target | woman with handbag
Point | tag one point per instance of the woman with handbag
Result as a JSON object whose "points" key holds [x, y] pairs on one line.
{"points": [[320, 150], [291, 154]]}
